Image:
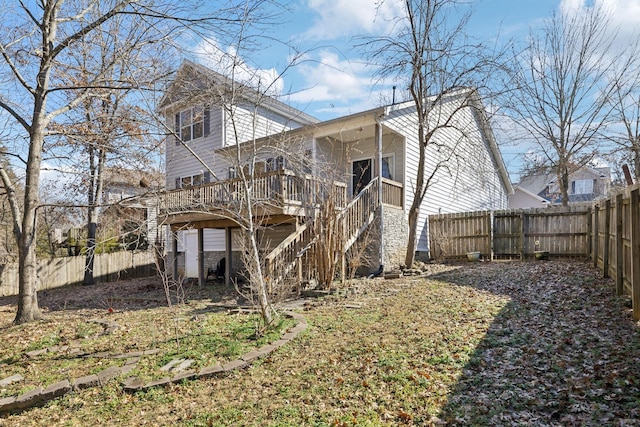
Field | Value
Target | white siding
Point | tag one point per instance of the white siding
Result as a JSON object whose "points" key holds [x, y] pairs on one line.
{"points": [[250, 122], [213, 240], [181, 161], [187, 161], [470, 183]]}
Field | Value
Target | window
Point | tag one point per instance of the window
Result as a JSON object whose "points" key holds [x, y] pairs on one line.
{"points": [[582, 186], [388, 166], [192, 123], [275, 164], [193, 180]]}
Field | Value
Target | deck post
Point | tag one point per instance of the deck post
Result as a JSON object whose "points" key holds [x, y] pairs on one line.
{"points": [[201, 273], [174, 248], [378, 133], [228, 264]]}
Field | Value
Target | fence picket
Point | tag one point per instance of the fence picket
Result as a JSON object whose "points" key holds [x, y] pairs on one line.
{"points": [[61, 271], [608, 232]]}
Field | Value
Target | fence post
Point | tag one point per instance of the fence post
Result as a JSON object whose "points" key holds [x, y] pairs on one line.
{"points": [[619, 245], [522, 236], [589, 234], [607, 236], [490, 239], [635, 252], [596, 235]]}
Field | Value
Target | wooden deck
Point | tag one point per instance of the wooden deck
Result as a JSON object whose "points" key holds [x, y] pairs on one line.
{"points": [[277, 197]]}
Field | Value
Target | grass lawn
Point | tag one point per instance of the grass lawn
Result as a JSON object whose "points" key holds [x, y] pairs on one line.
{"points": [[538, 343]]}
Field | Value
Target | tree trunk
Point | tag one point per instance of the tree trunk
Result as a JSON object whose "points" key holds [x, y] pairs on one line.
{"points": [[92, 227], [28, 309], [266, 309], [564, 185], [412, 242], [419, 191], [636, 161]]}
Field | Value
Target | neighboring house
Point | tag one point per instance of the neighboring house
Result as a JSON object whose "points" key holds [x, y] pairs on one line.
{"points": [[373, 154], [523, 199], [122, 184], [130, 205], [585, 185]]}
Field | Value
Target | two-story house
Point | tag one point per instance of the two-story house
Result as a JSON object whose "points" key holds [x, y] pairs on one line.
{"points": [[586, 184], [371, 158]]}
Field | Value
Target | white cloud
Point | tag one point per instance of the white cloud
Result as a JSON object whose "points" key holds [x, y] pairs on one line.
{"points": [[230, 63], [338, 18], [625, 14], [328, 78]]}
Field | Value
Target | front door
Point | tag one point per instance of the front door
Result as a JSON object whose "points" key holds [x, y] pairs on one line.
{"points": [[361, 170]]}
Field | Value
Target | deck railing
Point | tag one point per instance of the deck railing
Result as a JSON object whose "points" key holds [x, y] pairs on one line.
{"points": [[359, 213], [351, 220], [277, 188], [391, 193]]}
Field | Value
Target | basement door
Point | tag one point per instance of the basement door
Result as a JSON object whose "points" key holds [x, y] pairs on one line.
{"points": [[361, 172], [191, 253]]}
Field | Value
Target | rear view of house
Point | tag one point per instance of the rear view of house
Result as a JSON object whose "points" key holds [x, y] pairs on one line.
{"points": [[367, 162]]}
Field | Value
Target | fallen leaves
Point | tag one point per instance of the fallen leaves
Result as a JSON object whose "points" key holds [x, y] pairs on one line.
{"points": [[500, 344]]}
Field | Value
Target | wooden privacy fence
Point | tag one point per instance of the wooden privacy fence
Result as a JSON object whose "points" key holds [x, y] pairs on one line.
{"points": [[509, 234], [56, 272], [608, 232], [616, 242]]}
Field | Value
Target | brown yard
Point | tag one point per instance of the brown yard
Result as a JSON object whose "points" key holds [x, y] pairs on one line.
{"points": [[518, 343]]}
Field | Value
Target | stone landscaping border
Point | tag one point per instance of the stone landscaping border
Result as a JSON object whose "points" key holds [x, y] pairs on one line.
{"points": [[38, 396]]}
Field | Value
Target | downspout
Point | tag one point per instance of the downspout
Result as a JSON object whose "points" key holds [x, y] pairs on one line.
{"points": [[378, 135]]}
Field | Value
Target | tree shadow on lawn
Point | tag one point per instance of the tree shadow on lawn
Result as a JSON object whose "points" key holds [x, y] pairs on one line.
{"points": [[563, 351], [125, 295]]}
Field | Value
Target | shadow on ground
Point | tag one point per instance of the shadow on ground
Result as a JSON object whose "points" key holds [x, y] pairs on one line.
{"points": [[563, 351], [126, 295]]}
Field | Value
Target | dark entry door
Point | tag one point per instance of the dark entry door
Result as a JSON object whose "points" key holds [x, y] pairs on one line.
{"points": [[361, 170]]}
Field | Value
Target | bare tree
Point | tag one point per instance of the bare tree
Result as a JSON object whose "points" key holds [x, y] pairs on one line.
{"points": [[428, 49], [37, 46], [625, 131], [108, 132], [563, 82]]}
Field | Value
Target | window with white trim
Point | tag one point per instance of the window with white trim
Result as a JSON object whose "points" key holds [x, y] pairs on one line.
{"points": [[388, 166], [193, 180], [192, 123], [582, 186]]}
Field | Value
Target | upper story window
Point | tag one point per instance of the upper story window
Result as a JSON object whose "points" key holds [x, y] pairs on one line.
{"points": [[275, 164], [192, 123], [193, 180], [582, 186]]}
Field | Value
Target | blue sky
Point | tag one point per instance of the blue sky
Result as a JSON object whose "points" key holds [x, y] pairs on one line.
{"points": [[334, 82]]}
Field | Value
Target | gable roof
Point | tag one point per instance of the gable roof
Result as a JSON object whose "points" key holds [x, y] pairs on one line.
{"points": [[472, 98], [537, 183], [196, 83], [528, 193], [344, 123]]}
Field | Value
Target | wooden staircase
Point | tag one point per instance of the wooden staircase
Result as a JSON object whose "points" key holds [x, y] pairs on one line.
{"points": [[296, 252]]}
